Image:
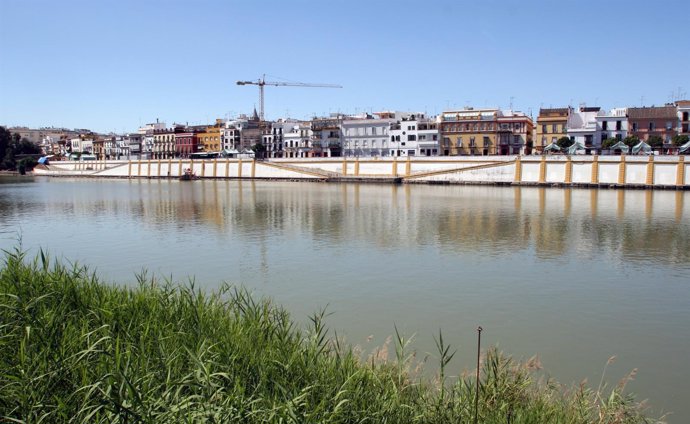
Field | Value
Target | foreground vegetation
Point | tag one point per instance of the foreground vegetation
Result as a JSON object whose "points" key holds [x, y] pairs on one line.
{"points": [[75, 350]]}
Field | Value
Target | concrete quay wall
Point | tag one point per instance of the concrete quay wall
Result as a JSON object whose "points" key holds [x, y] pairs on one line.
{"points": [[602, 171]]}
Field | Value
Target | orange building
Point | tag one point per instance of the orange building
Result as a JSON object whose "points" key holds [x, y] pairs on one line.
{"points": [[484, 132], [552, 124]]}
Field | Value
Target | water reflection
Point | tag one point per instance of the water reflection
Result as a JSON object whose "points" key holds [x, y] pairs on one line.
{"points": [[634, 225]]}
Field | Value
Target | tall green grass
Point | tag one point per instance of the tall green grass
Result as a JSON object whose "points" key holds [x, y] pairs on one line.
{"points": [[75, 350]]}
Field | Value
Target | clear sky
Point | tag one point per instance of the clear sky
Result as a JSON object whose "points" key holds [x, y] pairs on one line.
{"points": [[114, 65]]}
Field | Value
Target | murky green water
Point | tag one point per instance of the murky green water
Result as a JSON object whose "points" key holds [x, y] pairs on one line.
{"points": [[573, 275]]}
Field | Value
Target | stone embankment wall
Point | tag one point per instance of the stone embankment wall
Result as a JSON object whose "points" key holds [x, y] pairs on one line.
{"points": [[617, 171]]}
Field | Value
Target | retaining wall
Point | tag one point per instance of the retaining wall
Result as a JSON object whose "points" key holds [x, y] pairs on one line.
{"points": [[617, 171]]}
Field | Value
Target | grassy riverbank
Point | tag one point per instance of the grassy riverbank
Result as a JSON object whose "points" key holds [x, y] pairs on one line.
{"points": [[75, 350]]}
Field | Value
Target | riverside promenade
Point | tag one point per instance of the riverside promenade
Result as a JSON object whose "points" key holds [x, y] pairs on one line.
{"points": [[658, 172]]}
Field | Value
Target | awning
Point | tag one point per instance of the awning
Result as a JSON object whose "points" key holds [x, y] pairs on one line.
{"points": [[575, 147], [621, 146], [685, 148], [641, 147], [552, 147]]}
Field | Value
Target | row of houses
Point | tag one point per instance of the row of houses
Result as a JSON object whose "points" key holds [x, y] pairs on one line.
{"points": [[467, 131]]}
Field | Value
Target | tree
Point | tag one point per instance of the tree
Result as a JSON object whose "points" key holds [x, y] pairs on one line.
{"points": [[608, 143], [679, 140], [564, 142], [5, 140], [528, 147], [12, 145], [631, 141], [655, 141], [259, 150]]}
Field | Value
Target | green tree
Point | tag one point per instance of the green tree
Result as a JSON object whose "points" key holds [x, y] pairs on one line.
{"points": [[259, 150], [608, 143], [655, 141], [564, 142], [12, 145], [631, 140], [679, 140], [5, 140]]}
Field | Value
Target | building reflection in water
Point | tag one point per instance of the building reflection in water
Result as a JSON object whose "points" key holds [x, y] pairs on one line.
{"points": [[486, 220]]}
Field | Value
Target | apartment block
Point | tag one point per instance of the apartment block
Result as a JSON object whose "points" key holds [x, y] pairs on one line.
{"points": [[645, 122], [552, 124], [414, 135]]}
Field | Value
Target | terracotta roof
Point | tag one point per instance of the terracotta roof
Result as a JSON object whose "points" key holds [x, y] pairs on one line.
{"points": [[663, 112]]}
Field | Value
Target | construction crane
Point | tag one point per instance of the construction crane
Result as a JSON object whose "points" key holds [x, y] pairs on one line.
{"points": [[261, 82]]}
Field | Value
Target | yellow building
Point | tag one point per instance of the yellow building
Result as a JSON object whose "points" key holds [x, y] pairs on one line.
{"points": [[552, 124], [469, 132], [209, 136], [99, 147]]}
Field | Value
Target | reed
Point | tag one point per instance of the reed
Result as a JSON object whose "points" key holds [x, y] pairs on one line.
{"points": [[73, 349]]}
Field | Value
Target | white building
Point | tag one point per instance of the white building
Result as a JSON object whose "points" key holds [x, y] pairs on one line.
{"points": [[613, 124], [366, 136], [326, 136], [240, 133], [297, 141], [414, 135], [80, 145], [582, 126], [273, 139], [683, 108], [147, 140]]}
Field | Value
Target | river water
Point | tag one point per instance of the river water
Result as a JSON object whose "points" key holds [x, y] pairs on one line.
{"points": [[573, 275]]}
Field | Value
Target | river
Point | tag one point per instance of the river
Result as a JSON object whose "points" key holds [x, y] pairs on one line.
{"points": [[573, 275]]}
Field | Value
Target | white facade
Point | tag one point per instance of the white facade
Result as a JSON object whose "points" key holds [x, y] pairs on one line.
{"points": [[683, 107], [582, 126], [297, 141], [147, 139], [274, 140], [367, 137], [240, 134], [414, 136], [81, 146], [613, 124]]}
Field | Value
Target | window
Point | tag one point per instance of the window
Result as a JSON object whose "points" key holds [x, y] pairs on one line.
{"points": [[544, 129], [471, 141], [487, 141], [411, 137], [604, 125], [435, 137], [543, 141], [669, 126], [652, 126], [634, 126], [554, 128], [459, 141], [516, 139], [619, 125]]}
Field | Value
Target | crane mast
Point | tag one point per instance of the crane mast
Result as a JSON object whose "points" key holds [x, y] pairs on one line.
{"points": [[261, 82]]}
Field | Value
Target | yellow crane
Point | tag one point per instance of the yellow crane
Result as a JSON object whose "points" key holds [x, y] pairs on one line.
{"points": [[261, 82]]}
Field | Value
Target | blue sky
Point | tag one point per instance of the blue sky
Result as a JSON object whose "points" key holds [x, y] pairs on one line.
{"points": [[114, 65]]}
